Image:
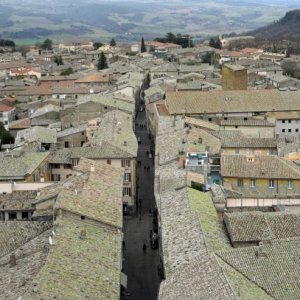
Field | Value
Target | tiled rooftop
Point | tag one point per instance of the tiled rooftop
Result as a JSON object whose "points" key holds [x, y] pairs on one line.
{"points": [[17, 200], [116, 128], [14, 234], [72, 130], [99, 198], [274, 266], [70, 271], [16, 165], [37, 133], [30, 258], [199, 280], [44, 110], [231, 101], [108, 100], [245, 122], [260, 167], [256, 226]]}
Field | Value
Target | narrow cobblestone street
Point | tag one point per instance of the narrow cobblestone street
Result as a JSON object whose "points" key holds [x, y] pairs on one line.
{"points": [[141, 266]]}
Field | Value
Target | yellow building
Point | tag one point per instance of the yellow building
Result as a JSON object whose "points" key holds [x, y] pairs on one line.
{"points": [[249, 146], [234, 77], [260, 175]]}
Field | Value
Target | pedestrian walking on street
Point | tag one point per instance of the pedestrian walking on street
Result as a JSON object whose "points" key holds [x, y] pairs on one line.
{"points": [[123, 244], [140, 202], [150, 234]]}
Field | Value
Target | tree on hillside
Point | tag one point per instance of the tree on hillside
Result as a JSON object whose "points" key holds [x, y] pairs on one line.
{"points": [[58, 60], [102, 63], [113, 43], [7, 43], [67, 72], [212, 43], [97, 45], [5, 136], [183, 40], [143, 47], [207, 58], [170, 37], [218, 44], [215, 43], [47, 44]]}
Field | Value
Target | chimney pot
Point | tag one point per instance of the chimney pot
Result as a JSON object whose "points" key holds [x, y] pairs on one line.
{"points": [[13, 260]]}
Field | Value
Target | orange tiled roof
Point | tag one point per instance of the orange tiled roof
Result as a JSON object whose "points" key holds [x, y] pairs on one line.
{"points": [[4, 108]]}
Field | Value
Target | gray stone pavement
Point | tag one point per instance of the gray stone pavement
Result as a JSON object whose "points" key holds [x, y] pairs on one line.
{"points": [[139, 266]]}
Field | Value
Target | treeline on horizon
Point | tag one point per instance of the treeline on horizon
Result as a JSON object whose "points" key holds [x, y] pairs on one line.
{"points": [[183, 40], [7, 43]]}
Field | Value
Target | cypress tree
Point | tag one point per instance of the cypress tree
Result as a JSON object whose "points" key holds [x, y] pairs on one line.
{"points": [[102, 63], [143, 47]]}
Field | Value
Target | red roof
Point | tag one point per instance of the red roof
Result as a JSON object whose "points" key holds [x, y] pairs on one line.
{"points": [[4, 107], [21, 71], [251, 50]]}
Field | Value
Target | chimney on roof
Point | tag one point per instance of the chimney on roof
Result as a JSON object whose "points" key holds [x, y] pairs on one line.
{"points": [[92, 168], [82, 235], [125, 143], [174, 120], [13, 260], [199, 140]]}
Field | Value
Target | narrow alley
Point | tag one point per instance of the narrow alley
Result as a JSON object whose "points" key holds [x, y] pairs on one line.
{"points": [[140, 265]]}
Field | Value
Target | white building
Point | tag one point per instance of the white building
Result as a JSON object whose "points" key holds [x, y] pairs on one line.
{"points": [[6, 114]]}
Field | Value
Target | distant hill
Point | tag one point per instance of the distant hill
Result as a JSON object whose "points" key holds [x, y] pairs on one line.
{"points": [[287, 28]]}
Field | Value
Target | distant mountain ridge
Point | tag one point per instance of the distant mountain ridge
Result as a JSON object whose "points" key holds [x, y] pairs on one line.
{"points": [[287, 28]]}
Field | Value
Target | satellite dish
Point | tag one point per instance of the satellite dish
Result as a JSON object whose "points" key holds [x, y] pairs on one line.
{"points": [[50, 240]]}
